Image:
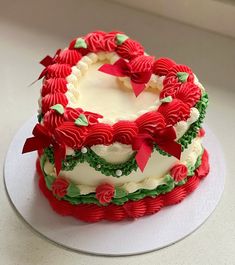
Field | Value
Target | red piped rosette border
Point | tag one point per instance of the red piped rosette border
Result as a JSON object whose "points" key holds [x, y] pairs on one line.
{"points": [[130, 209], [184, 94]]}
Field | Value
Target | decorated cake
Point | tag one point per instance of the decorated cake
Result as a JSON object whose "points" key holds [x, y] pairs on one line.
{"points": [[119, 131]]}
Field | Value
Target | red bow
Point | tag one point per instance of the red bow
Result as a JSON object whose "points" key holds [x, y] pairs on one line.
{"points": [[42, 139], [121, 68], [48, 60], [164, 138]]}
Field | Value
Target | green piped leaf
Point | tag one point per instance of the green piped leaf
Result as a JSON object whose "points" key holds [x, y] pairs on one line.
{"points": [[168, 179], [182, 182], [81, 120], [58, 108], [72, 200], [80, 43], [40, 117], [49, 180], [166, 99], [73, 190], [119, 193], [121, 38], [191, 171], [183, 76]]}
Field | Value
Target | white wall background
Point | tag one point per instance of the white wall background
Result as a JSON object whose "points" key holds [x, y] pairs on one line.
{"points": [[215, 15]]}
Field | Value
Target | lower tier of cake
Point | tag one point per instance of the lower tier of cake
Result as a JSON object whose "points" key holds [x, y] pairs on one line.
{"points": [[140, 203]]}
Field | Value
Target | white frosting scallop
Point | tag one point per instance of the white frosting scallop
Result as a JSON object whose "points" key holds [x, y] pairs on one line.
{"points": [[115, 153], [194, 115], [181, 127], [196, 82]]}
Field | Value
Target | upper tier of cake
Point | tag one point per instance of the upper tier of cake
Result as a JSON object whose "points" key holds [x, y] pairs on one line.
{"points": [[104, 89]]}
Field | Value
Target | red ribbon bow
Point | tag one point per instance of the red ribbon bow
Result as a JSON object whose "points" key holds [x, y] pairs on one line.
{"points": [[121, 68], [42, 139], [48, 60], [164, 138]]}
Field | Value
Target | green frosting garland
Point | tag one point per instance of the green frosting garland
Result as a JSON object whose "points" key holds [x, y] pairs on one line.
{"points": [[95, 161], [187, 138], [74, 197], [127, 167]]}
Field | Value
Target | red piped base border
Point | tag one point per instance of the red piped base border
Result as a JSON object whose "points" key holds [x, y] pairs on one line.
{"points": [[130, 209]]}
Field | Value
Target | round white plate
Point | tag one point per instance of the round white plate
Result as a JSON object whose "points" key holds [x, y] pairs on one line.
{"points": [[106, 238]]}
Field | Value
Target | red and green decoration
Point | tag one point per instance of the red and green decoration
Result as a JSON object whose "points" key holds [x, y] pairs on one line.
{"points": [[107, 193], [62, 195], [62, 127], [61, 188]]}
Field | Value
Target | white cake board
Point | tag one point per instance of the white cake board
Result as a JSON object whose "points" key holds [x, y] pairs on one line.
{"points": [[146, 234]]}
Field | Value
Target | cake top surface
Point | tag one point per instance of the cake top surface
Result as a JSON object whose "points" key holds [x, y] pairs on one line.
{"points": [[106, 94], [103, 88]]}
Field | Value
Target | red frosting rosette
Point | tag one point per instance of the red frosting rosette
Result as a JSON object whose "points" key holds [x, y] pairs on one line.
{"points": [[68, 56], [52, 119], [58, 70], [53, 86], [71, 135], [174, 111], [52, 99], [179, 172], [124, 132], [148, 122], [162, 66], [59, 187], [105, 193], [130, 49]]}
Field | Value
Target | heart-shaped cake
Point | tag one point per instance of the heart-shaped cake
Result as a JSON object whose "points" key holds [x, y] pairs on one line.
{"points": [[119, 132]]}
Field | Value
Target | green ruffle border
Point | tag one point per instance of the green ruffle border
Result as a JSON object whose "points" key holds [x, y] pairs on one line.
{"points": [[127, 167], [74, 197]]}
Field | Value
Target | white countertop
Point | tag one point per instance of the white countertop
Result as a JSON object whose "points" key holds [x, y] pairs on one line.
{"points": [[30, 31]]}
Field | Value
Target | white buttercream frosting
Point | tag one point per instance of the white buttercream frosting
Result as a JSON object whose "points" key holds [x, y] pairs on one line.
{"points": [[115, 153], [181, 127], [87, 178]]}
